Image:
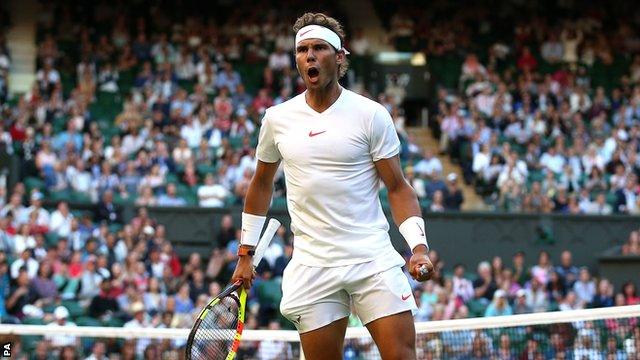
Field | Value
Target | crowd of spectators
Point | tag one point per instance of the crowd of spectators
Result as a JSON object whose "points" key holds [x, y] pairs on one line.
{"points": [[541, 111], [160, 110], [5, 60]]}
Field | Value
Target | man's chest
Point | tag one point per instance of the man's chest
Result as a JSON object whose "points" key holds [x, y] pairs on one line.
{"points": [[325, 140]]}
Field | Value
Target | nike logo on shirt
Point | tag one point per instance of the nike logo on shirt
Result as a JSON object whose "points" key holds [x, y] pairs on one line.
{"points": [[312, 134]]}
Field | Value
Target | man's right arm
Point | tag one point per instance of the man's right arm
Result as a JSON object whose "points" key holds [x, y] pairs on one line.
{"points": [[260, 189], [256, 203]]}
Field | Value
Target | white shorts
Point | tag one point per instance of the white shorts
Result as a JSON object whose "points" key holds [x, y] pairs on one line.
{"points": [[313, 297]]}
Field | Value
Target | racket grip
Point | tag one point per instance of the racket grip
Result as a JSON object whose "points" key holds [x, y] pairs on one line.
{"points": [[263, 244]]}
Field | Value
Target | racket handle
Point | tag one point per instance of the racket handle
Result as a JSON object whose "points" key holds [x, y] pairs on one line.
{"points": [[265, 240]]}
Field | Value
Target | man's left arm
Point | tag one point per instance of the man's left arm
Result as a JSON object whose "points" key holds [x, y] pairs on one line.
{"points": [[406, 213]]}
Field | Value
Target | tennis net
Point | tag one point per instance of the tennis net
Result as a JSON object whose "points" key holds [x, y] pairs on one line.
{"points": [[608, 333]]}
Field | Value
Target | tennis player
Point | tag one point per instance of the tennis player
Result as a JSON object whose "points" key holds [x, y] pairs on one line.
{"points": [[336, 146]]}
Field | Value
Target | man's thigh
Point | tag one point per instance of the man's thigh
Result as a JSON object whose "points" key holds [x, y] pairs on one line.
{"points": [[379, 294], [313, 297], [384, 302], [325, 343], [395, 336]]}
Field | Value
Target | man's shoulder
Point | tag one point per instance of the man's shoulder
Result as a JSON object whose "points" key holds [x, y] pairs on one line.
{"points": [[291, 104], [357, 101]]}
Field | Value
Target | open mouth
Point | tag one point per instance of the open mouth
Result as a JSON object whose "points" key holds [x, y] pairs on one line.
{"points": [[313, 74]]}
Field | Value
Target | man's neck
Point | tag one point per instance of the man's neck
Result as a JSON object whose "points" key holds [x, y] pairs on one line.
{"points": [[321, 99]]}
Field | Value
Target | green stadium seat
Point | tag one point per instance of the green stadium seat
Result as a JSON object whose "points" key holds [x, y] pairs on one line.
{"points": [[476, 308], [75, 309], [51, 238], [80, 197], [279, 203], [34, 183], [113, 322], [204, 169], [62, 195], [87, 321], [171, 178]]}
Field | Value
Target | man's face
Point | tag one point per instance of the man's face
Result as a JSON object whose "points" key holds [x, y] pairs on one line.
{"points": [[317, 62]]}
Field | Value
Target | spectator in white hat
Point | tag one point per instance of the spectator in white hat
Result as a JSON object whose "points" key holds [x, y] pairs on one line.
{"points": [[61, 316]]}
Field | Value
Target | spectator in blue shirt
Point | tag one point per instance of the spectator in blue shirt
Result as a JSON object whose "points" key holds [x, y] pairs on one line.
{"points": [[228, 78], [170, 198]]}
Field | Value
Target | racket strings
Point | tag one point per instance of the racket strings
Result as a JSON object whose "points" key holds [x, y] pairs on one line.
{"points": [[214, 337]]}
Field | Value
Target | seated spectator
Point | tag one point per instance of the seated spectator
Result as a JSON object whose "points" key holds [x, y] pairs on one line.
{"points": [[57, 342], [27, 262], [182, 153], [453, 197], [626, 198], [603, 296], [520, 304], [437, 204], [171, 198], [566, 270], [632, 246], [630, 294], [499, 306], [536, 295], [585, 288], [599, 206], [139, 321], [107, 210], [428, 165], [228, 78], [21, 294], [43, 286], [212, 194], [184, 304], [484, 286], [89, 281]]}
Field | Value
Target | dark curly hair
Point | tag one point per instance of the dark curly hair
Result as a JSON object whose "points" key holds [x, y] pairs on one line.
{"points": [[328, 22]]}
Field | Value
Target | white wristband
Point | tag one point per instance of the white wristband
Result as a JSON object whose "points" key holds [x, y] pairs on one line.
{"points": [[413, 232], [251, 228]]}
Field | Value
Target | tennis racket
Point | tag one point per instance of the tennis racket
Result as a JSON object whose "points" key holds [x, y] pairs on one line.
{"points": [[217, 331]]}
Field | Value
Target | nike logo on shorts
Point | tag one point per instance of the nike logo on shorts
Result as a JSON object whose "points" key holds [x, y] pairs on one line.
{"points": [[312, 134], [405, 297]]}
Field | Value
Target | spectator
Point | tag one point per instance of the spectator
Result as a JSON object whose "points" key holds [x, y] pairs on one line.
{"points": [[484, 285], [453, 197], [428, 165], [171, 198], [536, 296], [58, 342], [630, 294], [21, 295], [604, 295], [25, 260], [228, 78], [139, 321], [61, 220], [104, 304], [107, 210], [499, 306], [520, 305], [566, 270], [585, 288], [212, 194], [462, 287]]}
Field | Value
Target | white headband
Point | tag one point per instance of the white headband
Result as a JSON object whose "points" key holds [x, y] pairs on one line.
{"points": [[322, 33]]}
